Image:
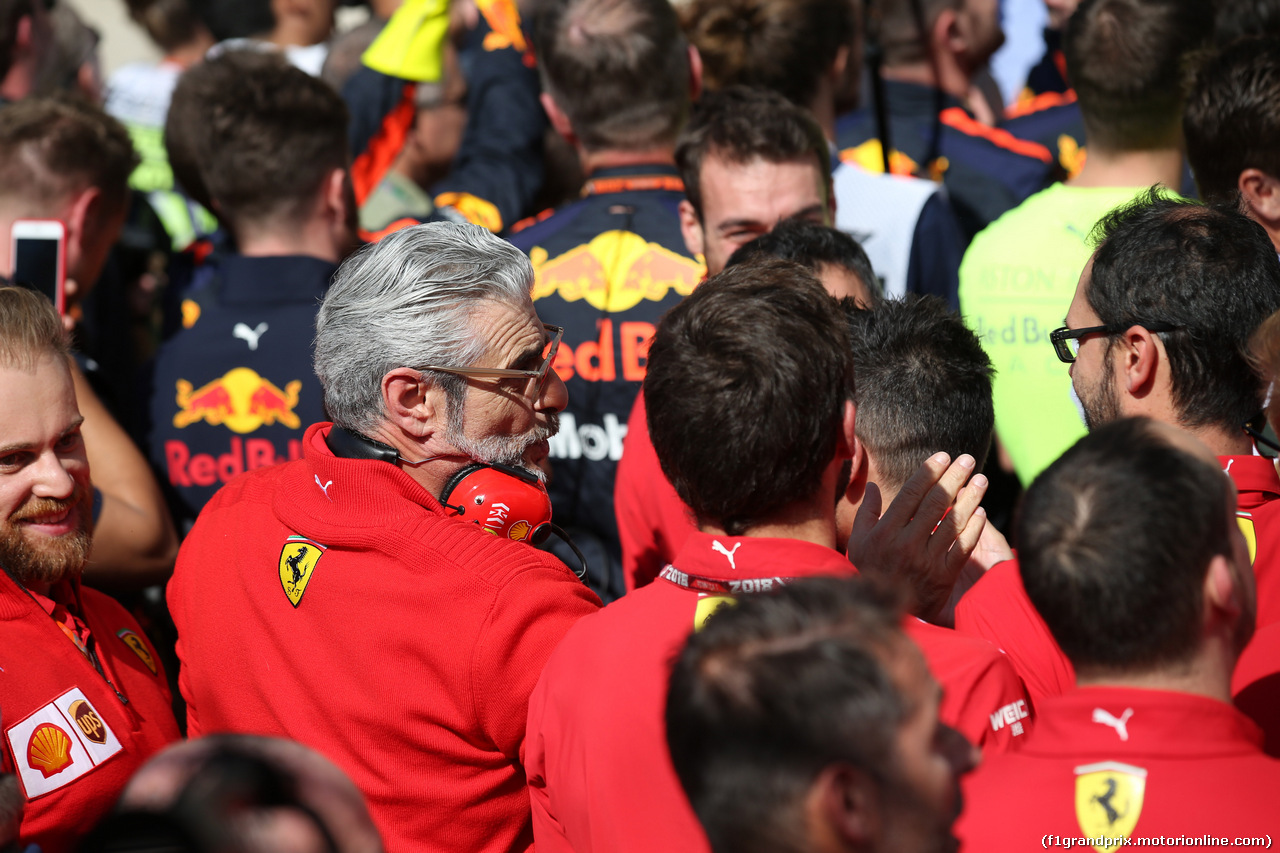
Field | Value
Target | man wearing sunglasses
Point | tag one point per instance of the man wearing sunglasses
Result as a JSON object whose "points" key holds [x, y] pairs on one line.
{"points": [[345, 600], [1158, 327]]}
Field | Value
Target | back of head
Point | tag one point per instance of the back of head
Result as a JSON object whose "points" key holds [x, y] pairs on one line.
{"points": [[239, 792], [271, 135], [1127, 61], [1212, 274], [1232, 122], [618, 69], [1114, 541], [1241, 18], [813, 247], [741, 124], [29, 329], [902, 27], [772, 690], [783, 45], [53, 148], [745, 392], [406, 301], [171, 24], [924, 385]]}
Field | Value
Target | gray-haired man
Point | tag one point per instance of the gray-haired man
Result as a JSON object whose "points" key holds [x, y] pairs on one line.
{"points": [[335, 601]]}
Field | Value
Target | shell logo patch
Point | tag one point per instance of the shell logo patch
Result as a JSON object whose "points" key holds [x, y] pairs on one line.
{"points": [[1245, 520], [49, 750], [139, 647], [298, 560], [709, 604], [87, 720], [614, 272], [59, 743], [1109, 799]]}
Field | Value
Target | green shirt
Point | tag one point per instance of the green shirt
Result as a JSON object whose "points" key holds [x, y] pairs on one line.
{"points": [[1016, 283]]}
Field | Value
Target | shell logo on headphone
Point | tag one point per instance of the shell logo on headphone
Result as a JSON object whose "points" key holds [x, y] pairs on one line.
{"points": [[504, 500]]}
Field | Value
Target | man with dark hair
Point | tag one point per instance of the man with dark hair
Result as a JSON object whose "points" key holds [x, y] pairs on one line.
{"points": [[806, 50], [1130, 551], [233, 390], [1240, 18], [86, 701], [749, 160], [1159, 326], [1126, 59], [929, 66], [617, 81], [1232, 126], [924, 386], [652, 520], [805, 720], [749, 391]]}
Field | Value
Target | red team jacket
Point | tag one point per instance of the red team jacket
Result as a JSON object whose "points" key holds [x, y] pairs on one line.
{"points": [[332, 601], [1114, 763], [599, 774], [997, 608], [74, 735]]}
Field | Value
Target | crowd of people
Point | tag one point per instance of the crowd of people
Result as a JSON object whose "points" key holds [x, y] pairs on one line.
{"points": [[626, 425]]}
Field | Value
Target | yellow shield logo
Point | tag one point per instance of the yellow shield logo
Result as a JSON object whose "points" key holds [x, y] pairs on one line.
{"points": [[1245, 520], [710, 604], [298, 560], [139, 647], [1109, 800]]}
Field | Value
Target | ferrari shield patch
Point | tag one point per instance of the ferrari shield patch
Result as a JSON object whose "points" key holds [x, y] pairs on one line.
{"points": [[134, 642], [298, 560], [1109, 800], [1245, 520], [707, 605]]}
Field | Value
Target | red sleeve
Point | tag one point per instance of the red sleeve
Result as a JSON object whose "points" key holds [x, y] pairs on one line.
{"points": [[530, 614], [548, 832], [997, 610], [652, 520]]}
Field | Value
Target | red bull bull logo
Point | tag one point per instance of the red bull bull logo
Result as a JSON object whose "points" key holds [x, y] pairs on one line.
{"points": [[240, 400], [614, 272]]}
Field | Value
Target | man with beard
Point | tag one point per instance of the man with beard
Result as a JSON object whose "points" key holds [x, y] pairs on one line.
{"points": [[1158, 327], [85, 701], [1130, 550], [337, 600]]}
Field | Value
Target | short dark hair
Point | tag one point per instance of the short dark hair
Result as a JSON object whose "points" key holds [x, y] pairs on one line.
{"points": [[50, 147], [1114, 540], [783, 45], [812, 246], [1126, 60], [745, 391], [740, 124], [902, 27], [1212, 273], [773, 690], [273, 134], [171, 24], [1232, 122], [924, 384], [1240, 18], [619, 69]]}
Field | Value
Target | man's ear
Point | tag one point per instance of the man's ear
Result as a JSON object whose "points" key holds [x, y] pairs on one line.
{"points": [[695, 74], [1222, 592], [82, 215], [1262, 192], [1138, 355], [413, 406], [691, 228], [849, 447], [843, 809], [334, 196], [949, 32], [559, 120]]}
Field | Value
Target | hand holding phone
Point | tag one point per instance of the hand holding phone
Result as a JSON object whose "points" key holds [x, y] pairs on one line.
{"points": [[40, 259]]}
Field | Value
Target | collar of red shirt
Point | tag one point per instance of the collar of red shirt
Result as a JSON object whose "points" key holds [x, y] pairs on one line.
{"points": [[1255, 478], [1137, 722], [736, 557]]}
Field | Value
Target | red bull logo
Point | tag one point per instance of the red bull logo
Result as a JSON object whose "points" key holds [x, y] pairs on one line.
{"points": [[206, 469], [240, 400], [614, 272], [599, 360], [869, 156]]}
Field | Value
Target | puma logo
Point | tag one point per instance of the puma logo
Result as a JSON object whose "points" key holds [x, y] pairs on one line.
{"points": [[1105, 718], [249, 336], [716, 546], [324, 487], [1227, 470]]}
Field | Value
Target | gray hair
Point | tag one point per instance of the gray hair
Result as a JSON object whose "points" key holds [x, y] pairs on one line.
{"points": [[407, 301]]}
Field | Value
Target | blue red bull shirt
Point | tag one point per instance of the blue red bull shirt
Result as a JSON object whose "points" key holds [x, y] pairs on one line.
{"points": [[235, 390], [606, 268]]}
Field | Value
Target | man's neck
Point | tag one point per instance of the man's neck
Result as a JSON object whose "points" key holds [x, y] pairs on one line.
{"points": [[594, 160], [1103, 168], [807, 521], [310, 239], [1207, 674], [1223, 442], [949, 77]]}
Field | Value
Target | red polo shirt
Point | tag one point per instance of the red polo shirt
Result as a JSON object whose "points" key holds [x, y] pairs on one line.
{"points": [[1119, 762], [595, 749]]}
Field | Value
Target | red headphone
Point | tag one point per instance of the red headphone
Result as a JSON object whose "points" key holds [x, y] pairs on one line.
{"points": [[502, 499]]}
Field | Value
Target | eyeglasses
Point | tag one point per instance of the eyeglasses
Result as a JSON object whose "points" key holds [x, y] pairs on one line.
{"points": [[1066, 342], [540, 374]]}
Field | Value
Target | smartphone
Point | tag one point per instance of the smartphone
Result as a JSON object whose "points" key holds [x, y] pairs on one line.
{"points": [[40, 258]]}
